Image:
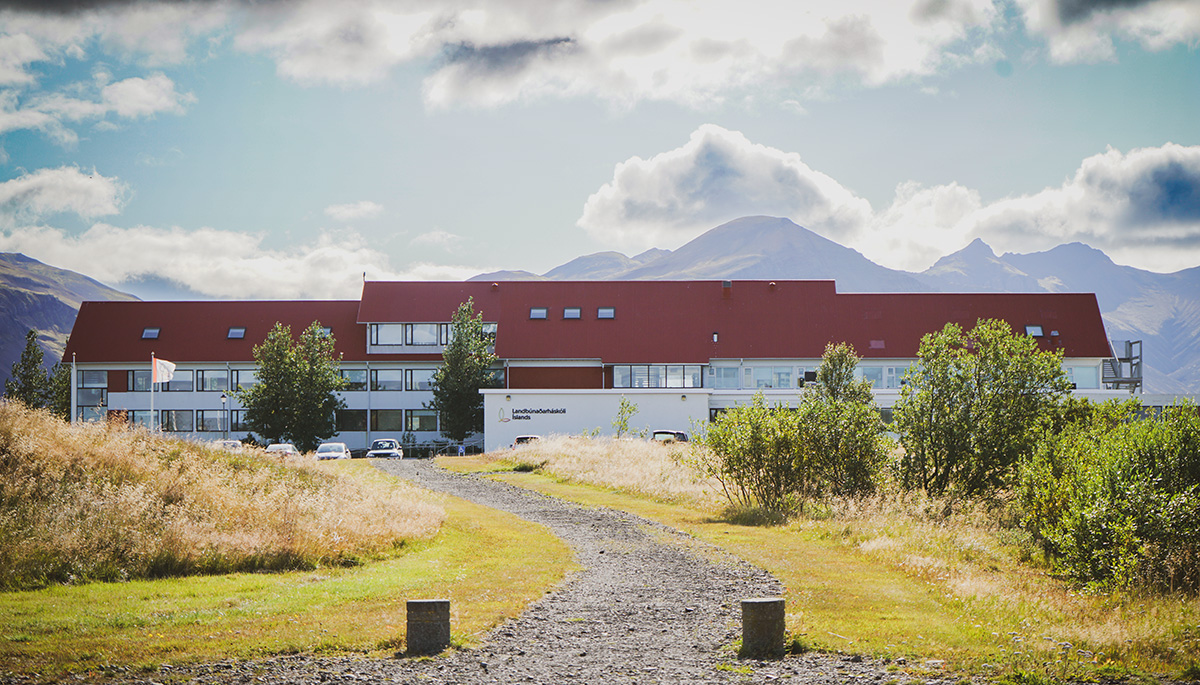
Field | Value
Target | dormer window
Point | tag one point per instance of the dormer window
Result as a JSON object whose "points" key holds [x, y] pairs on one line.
{"points": [[236, 333], [150, 333], [1035, 331]]}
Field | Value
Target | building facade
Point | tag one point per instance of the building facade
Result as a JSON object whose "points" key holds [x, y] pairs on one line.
{"points": [[568, 351]]}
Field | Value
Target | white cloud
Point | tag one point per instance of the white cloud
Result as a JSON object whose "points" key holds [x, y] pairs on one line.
{"points": [[438, 238], [351, 212], [130, 98], [1086, 30], [53, 191], [1141, 207], [716, 176]]}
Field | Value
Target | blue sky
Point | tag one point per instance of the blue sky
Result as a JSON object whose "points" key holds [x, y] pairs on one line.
{"points": [[282, 149]]}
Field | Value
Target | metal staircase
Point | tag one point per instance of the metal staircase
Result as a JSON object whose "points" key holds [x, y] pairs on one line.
{"points": [[1124, 370]]}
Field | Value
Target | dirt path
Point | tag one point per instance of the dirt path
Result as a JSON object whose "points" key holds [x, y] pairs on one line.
{"points": [[651, 605]]}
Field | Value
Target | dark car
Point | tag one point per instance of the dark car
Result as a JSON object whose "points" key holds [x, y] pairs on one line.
{"points": [[669, 436]]}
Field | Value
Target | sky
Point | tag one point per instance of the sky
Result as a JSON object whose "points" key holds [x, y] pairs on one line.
{"points": [[286, 149]]}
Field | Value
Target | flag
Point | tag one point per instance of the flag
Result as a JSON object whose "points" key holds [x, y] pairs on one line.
{"points": [[163, 372]]}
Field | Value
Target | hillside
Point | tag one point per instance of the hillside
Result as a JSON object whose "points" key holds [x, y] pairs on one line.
{"points": [[44, 298]]}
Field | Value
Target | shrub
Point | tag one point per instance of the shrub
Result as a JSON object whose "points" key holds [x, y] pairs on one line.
{"points": [[1117, 503]]}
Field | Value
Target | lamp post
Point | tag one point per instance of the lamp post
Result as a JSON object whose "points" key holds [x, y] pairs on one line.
{"points": [[224, 416]]}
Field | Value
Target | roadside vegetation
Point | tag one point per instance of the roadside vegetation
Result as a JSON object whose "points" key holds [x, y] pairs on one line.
{"points": [[1012, 531], [188, 532], [105, 501]]}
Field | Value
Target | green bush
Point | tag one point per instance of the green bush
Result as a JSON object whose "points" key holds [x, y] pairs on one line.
{"points": [[1115, 500]]}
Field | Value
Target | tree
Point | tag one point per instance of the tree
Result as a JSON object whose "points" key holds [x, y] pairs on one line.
{"points": [[58, 391], [295, 397], [974, 405], [466, 368], [625, 410], [29, 383], [835, 376]]}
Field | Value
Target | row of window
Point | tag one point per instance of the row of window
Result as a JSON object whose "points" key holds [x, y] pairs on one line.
{"points": [[93, 385], [234, 332], [572, 312], [216, 420], [419, 334], [658, 376]]}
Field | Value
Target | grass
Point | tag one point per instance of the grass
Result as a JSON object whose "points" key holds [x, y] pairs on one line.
{"points": [[178, 525], [96, 501], [489, 564], [945, 587]]}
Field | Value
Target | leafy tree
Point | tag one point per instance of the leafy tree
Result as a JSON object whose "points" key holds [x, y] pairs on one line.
{"points": [[295, 397], [835, 376], [625, 410], [974, 405], [466, 368], [29, 383], [58, 391], [778, 458]]}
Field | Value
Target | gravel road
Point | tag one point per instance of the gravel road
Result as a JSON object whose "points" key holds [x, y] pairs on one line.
{"points": [[650, 605]]}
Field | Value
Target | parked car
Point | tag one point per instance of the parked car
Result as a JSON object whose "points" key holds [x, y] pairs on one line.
{"points": [[228, 445], [525, 439], [333, 450], [283, 449], [669, 436], [385, 448]]}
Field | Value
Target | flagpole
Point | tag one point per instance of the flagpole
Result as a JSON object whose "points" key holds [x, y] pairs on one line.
{"points": [[74, 384], [153, 368]]}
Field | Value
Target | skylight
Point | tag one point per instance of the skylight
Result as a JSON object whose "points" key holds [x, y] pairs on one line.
{"points": [[150, 333], [236, 332]]}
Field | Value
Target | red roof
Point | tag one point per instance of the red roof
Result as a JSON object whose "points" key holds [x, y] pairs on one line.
{"points": [[654, 321]]}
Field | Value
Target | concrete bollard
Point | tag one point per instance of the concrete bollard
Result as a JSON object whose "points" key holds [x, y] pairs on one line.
{"points": [[428, 625], [762, 628]]}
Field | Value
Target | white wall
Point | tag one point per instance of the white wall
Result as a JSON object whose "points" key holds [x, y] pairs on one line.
{"points": [[572, 412]]}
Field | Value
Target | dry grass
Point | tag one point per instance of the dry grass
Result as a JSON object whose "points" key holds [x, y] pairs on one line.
{"points": [[82, 502], [640, 467], [899, 574]]}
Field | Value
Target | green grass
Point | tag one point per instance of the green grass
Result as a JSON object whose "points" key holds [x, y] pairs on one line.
{"points": [[489, 564], [841, 598]]}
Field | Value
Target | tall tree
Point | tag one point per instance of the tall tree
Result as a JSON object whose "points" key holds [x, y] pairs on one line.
{"points": [[29, 383], [835, 376], [295, 398], [466, 368], [974, 405]]}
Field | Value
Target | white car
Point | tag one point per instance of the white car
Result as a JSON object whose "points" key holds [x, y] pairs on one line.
{"points": [[333, 450], [385, 448], [283, 449]]}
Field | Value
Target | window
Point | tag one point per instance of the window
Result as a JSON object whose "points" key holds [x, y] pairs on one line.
{"points": [[723, 377], [387, 334], [181, 382], [139, 417], [489, 333], [1035, 331], [356, 379], [351, 420], [178, 420], [571, 313], [390, 420], [210, 420], [236, 333], [420, 420], [658, 376], [244, 378], [387, 379], [421, 333], [212, 381], [606, 313], [93, 379], [537, 312], [326, 331], [138, 381], [873, 374], [1084, 377], [418, 379], [237, 420], [91, 397], [91, 414], [149, 334]]}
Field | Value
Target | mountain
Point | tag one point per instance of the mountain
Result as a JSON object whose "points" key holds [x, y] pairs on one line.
{"points": [[1162, 310], [44, 298]]}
